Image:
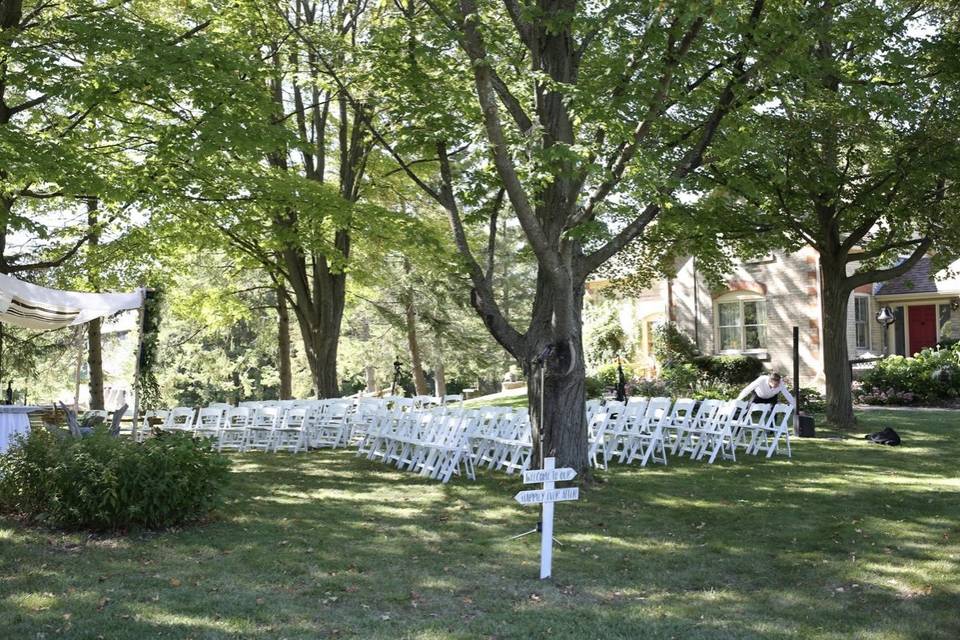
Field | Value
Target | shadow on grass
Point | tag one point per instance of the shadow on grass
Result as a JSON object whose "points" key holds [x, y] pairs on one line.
{"points": [[847, 539]]}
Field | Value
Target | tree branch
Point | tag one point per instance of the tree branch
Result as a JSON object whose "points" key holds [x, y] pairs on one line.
{"points": [[494, 129], [692, 159], [513, 106], [882, 275], [482, 297], [863, 256]]}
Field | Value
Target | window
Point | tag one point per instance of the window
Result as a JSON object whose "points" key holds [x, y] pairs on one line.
{"points": [[946, 322], [861, 321], [651, 327], [742, 324]]}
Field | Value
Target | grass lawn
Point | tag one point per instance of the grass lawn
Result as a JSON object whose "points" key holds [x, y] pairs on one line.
{"points": [[848, 540]]}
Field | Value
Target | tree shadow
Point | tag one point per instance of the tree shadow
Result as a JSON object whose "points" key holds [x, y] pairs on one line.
{"points": [[846, 539]]}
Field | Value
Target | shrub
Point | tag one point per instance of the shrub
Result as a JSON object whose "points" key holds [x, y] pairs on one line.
{"points": [[715, 390], [730, 369], [607, 374], [604, 336], [812, 401], [594, 387], [888, 396], [948, 343], [681, 378], [933, 376], [103, 483], [671, 346], [648, 388]]}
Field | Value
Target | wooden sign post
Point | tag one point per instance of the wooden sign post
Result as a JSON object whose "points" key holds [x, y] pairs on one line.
{"points": [[549, 475]]}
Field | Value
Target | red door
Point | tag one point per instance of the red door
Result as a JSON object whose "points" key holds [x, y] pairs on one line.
{"points": [[922, 321]]}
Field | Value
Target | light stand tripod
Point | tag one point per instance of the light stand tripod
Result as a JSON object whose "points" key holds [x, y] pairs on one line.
{"points": [[397, 372]]}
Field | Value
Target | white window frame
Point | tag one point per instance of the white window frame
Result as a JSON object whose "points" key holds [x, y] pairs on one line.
{"points": [[940, 335], [740, 298], [866, 323]]}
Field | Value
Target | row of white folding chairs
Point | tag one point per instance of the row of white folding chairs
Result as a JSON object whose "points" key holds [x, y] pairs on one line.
{"points": [[645, 428], [502, 439], [367, 408], [267, 428], [433, 443], [497, 437]]}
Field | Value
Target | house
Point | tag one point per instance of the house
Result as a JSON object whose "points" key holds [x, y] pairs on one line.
{"points": [[755, 309]]}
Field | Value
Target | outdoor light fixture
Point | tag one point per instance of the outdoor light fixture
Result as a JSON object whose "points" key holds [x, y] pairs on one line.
{"points": [[886, 318], [955, 304]]}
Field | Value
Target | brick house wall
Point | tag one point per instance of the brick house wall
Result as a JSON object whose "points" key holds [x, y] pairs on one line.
{"points": [[788, 285]]}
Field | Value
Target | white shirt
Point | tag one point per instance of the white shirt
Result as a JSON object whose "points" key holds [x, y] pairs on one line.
{"points": [[761, 387]]}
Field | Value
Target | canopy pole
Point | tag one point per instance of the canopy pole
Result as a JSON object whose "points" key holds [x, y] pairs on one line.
{"points": [[136, 368]]}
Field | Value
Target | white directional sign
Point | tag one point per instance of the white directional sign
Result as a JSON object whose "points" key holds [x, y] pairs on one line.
{"points": [[547, 496], [533, 476], [553, 495]]}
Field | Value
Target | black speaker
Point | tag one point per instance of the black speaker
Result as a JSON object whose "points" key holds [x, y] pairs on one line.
{"points": [[805, 427]]}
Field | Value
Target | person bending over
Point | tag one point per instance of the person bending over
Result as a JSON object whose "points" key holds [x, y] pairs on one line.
{"points": [[766, 389]]}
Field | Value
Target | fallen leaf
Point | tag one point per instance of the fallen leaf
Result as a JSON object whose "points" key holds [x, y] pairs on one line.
{"points": [[174, 582]]}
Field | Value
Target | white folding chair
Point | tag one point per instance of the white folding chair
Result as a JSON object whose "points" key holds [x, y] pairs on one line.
{"points": [[681, 416], [597, 438], [690, 440], [260, 430], [718, 435], [647, 443], [331, 428], [746, 430], [290, 434], [151, 419], [777, 426], [209, 422], [179, 419], [233, 433], [628, 425]]}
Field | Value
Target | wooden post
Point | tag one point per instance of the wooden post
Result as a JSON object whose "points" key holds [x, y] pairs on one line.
{"points": [[136, 368], [796, 377], [546, 519]]}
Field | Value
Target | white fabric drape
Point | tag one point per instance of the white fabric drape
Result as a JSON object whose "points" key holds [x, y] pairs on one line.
{"points": [[13, 422], [33, 307]]}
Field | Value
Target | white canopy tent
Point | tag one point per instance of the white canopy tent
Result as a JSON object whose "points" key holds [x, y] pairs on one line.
{"points": [[34, 307]]}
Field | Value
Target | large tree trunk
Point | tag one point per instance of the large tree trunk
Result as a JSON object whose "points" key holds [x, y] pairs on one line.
{"points": [[439, 380], [94, 341], [77, 369], [416, 362], [318, 302], [439, 372], [95, 364], [327, 381], [371, 374], [283, 346], [321, 350], [555, 357], [836, 359]]}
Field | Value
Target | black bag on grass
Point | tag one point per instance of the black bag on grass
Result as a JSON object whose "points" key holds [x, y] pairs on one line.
{"points": [[887, 436]]}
